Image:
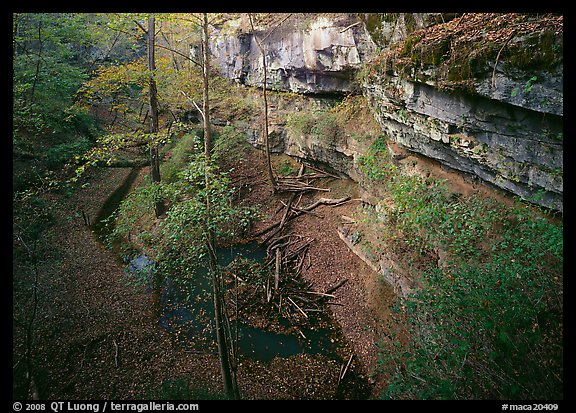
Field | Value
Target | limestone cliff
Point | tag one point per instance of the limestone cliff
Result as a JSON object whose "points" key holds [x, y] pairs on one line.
{"points": [[482, 93], [304, 53]]}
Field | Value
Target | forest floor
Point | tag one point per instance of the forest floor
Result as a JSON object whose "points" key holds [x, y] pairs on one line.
{"points": [[98, 337], [362, 306]]}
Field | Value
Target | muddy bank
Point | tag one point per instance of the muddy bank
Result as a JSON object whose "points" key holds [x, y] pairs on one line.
{"points": [[362, 306]]}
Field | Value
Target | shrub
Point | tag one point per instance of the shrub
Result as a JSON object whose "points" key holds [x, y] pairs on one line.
{"points": [[322, 124], [488, 323]]}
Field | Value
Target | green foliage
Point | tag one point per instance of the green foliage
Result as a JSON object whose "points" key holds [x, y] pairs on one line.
{"points": [[375, 164], [322, 124], [32, 216], [135, 211], [51, 58], [180, 151], [230, 144], [53, 55], [200, 201], [489, 329], [488, 323], [59, 154]]}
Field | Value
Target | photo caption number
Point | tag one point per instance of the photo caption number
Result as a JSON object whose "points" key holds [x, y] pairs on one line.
{"points": [[544, 407]]}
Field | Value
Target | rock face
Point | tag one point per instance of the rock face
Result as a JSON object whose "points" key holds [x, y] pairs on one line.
{"points": [[481, 93], [304, 54], [496, 120], [509, 146]]}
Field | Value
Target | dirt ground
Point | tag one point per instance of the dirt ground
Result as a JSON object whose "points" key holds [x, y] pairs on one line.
{"points": [[97, 337], [362, 304]]}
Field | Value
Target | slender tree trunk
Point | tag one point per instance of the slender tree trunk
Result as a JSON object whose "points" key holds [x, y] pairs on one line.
{"points": [[227, 367], [15, 21], [205, 77], [37, 73], [266, 140], [271, 177], [229, 386], [153, 105]]}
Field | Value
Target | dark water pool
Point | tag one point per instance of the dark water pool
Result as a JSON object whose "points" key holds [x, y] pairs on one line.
{"points": [[187, 311]]}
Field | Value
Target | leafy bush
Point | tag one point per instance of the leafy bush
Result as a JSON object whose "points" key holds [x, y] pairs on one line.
{"points": [[201, 202], [181, 151], [489, 329], [199, 199], [58, 155]]}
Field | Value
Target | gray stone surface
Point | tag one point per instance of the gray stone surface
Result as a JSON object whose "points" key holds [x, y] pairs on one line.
{"points": [[507, 131], [319, 57]]}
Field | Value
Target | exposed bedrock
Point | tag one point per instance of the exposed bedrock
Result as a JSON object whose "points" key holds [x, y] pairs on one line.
{"points": [[501, 120]]}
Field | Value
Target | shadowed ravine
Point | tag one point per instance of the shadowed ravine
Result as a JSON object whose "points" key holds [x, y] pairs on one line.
{"points": [[186, 308]]}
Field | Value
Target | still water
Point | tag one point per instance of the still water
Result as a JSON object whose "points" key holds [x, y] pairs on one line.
{"points": [[187, 311]]}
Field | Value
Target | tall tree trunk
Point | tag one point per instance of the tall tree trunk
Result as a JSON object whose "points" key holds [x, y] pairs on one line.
{"points": [[271, 176], [205, 78], [15, 21], [266, 140], [227, 367], [153, 105], [37, 73], [228, 378]]}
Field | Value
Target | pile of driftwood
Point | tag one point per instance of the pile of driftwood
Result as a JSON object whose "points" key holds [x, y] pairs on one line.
{"points": [[278, 287], [297, 186], [265, 293]]}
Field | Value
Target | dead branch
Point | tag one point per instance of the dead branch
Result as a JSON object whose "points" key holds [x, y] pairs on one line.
{"points": [[298, 186], [299, 250], [296, 209], [282, 221], [278, 265], [286, 213], [115, 353], [326, 201], [345, 369], [350, 26], [297, 307], [321, 201], [323, 172], [338, 285], [320, 294], [347, 220], [498, 57]]}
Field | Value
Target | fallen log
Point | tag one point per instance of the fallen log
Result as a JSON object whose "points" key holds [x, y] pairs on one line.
{"points": [[326, 201], [300, 211], [297, 209]]}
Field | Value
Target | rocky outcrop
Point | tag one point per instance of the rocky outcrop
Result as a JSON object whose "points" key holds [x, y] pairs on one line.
{"points": [[304, 54], [511, 147], [480, 93], [496, 118]]}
